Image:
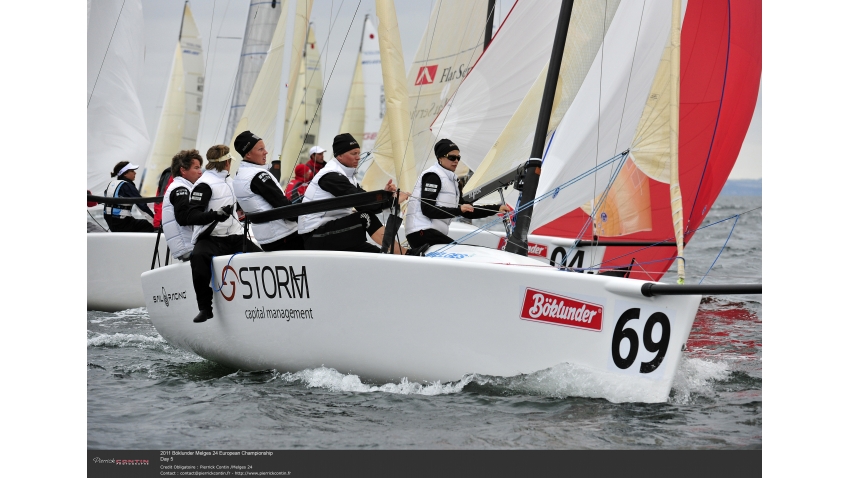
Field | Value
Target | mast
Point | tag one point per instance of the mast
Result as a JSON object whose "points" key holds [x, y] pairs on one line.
{"points": [[488, 31], [518, 242], [675, 190]]}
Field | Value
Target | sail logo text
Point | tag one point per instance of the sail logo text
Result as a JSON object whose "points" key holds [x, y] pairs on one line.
{"points": [[265, 282], [556, 309], [426, 75], [167, 297], [533, 249]]}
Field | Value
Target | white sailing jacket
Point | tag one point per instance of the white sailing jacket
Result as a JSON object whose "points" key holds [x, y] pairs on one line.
{"points": [[178, 238], [222, 195], [310, 222], [252, 202], [448, 197], [118, 210]]}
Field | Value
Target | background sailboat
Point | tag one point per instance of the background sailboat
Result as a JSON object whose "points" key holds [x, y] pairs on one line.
{"points": [[262, 21], [181, 111]]}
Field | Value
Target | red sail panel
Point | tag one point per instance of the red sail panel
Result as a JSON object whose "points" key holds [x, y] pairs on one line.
{"points": [[720, 75]]}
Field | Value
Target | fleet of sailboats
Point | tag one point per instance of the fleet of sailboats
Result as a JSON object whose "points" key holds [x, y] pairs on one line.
{"points": [[645, 112]]}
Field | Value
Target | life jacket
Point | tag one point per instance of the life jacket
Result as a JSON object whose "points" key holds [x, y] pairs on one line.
{"points": [[252, 202], [222, 195], [179, 238], [448, 197], [310, 222], [118, 210]]}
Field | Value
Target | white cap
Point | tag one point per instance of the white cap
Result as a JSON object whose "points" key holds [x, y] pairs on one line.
{"points": [[127, 168], [316, 150]]}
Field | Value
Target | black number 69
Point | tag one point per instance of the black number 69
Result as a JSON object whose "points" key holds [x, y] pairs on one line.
{"points": [[621, 333]]}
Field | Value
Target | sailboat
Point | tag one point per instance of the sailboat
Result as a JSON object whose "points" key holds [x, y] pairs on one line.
{"points": [[116, 129], [298, 309]]}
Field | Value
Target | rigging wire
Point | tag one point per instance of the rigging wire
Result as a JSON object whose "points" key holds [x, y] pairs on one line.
{"points": [[105, 53], [721, 249]]}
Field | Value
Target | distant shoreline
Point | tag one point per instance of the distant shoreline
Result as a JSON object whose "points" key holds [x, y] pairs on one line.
{"points": [[742, 187]]}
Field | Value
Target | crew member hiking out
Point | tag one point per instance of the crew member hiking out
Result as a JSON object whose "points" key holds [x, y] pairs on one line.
{"points": [[214, 234], [343, 229], [438, 198], [257, 191], [185, 171]]}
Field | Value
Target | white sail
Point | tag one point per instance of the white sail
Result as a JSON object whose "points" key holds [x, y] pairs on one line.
{"points": [[451, 44], [491, 93], [181, 111], [604, 115], [374, 105], [263, 16], [354, 115], [115, 122], [588, 23], [260, 112], [292, 145]]}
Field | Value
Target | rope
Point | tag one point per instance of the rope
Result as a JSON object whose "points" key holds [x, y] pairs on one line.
{"points": [[721, 249], [212, 272]]}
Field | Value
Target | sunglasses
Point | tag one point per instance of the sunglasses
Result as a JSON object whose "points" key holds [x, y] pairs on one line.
{"points": [[452, 157]]}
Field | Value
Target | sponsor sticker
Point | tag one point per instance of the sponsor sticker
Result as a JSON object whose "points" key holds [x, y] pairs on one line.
{"points": [[426, 75], [556, 309], [538, 250]]}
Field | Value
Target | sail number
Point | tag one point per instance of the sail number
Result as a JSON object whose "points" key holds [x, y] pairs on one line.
{"points": [[659, 347]]}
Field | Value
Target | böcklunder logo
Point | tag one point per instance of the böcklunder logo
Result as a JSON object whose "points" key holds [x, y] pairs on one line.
{"points": [[556, 309]]}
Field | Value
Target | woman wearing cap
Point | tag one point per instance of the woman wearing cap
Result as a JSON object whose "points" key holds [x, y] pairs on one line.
{"points": [[119, 217], [214, 234], [342, 229], [258, 191], [437, 198]]}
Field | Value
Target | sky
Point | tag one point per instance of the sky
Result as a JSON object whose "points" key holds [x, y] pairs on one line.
{"points": [[222, 25]]}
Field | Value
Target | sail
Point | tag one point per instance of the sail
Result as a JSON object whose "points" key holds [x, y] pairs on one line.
{"points": [[589, 22], [354, 115], [719, 79], [263, 16], [374, 105], [181, 111], [451, 44], [294, 119], [260, 112], [313, 91], [489, 95], [116, 129]]}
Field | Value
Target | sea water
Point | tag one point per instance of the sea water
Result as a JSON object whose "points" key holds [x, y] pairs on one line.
{"points": [[145, 394]]}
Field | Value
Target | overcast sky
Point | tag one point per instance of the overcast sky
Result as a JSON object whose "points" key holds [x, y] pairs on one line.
{"points": [[222, 25]]}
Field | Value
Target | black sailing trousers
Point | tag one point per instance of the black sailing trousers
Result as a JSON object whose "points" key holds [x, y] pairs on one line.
{"points": [[427, 236], [205, 249]]}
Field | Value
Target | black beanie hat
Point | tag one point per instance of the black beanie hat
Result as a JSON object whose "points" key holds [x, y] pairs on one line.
{"points": [[245, 142], [344, 143], [443, 146]]}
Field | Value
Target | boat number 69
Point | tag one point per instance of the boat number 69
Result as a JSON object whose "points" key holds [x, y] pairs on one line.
{"points": [[659, 348]]}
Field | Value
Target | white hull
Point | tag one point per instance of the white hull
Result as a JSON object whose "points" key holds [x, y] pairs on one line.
{"points": [[115, 262], [385, 317]]}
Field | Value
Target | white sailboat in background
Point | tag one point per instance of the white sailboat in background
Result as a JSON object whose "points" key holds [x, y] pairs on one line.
{"points": [[262, 21], [181, 111], [310, 89], [116, 131]]}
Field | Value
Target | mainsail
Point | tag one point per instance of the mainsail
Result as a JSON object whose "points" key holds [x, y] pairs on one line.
{"points": [[451, 44], [260, 112], [115, 121], [181, 111], [719, 78], [263, 16]]}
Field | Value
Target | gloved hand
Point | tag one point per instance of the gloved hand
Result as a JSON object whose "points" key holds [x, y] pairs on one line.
{"points": [[224, 212]]}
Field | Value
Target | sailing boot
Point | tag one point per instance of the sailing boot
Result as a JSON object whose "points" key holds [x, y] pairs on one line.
{"points": [[203, 316]]}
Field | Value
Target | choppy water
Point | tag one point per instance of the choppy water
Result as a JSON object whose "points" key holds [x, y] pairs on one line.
{"points": [[145, 394]]}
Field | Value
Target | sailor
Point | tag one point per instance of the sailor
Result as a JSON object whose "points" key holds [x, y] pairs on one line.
{"points": [[185, 171], [258, 191], [438, 198], [119, 217], [343, 229], [317, 160], [215, 237]]}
